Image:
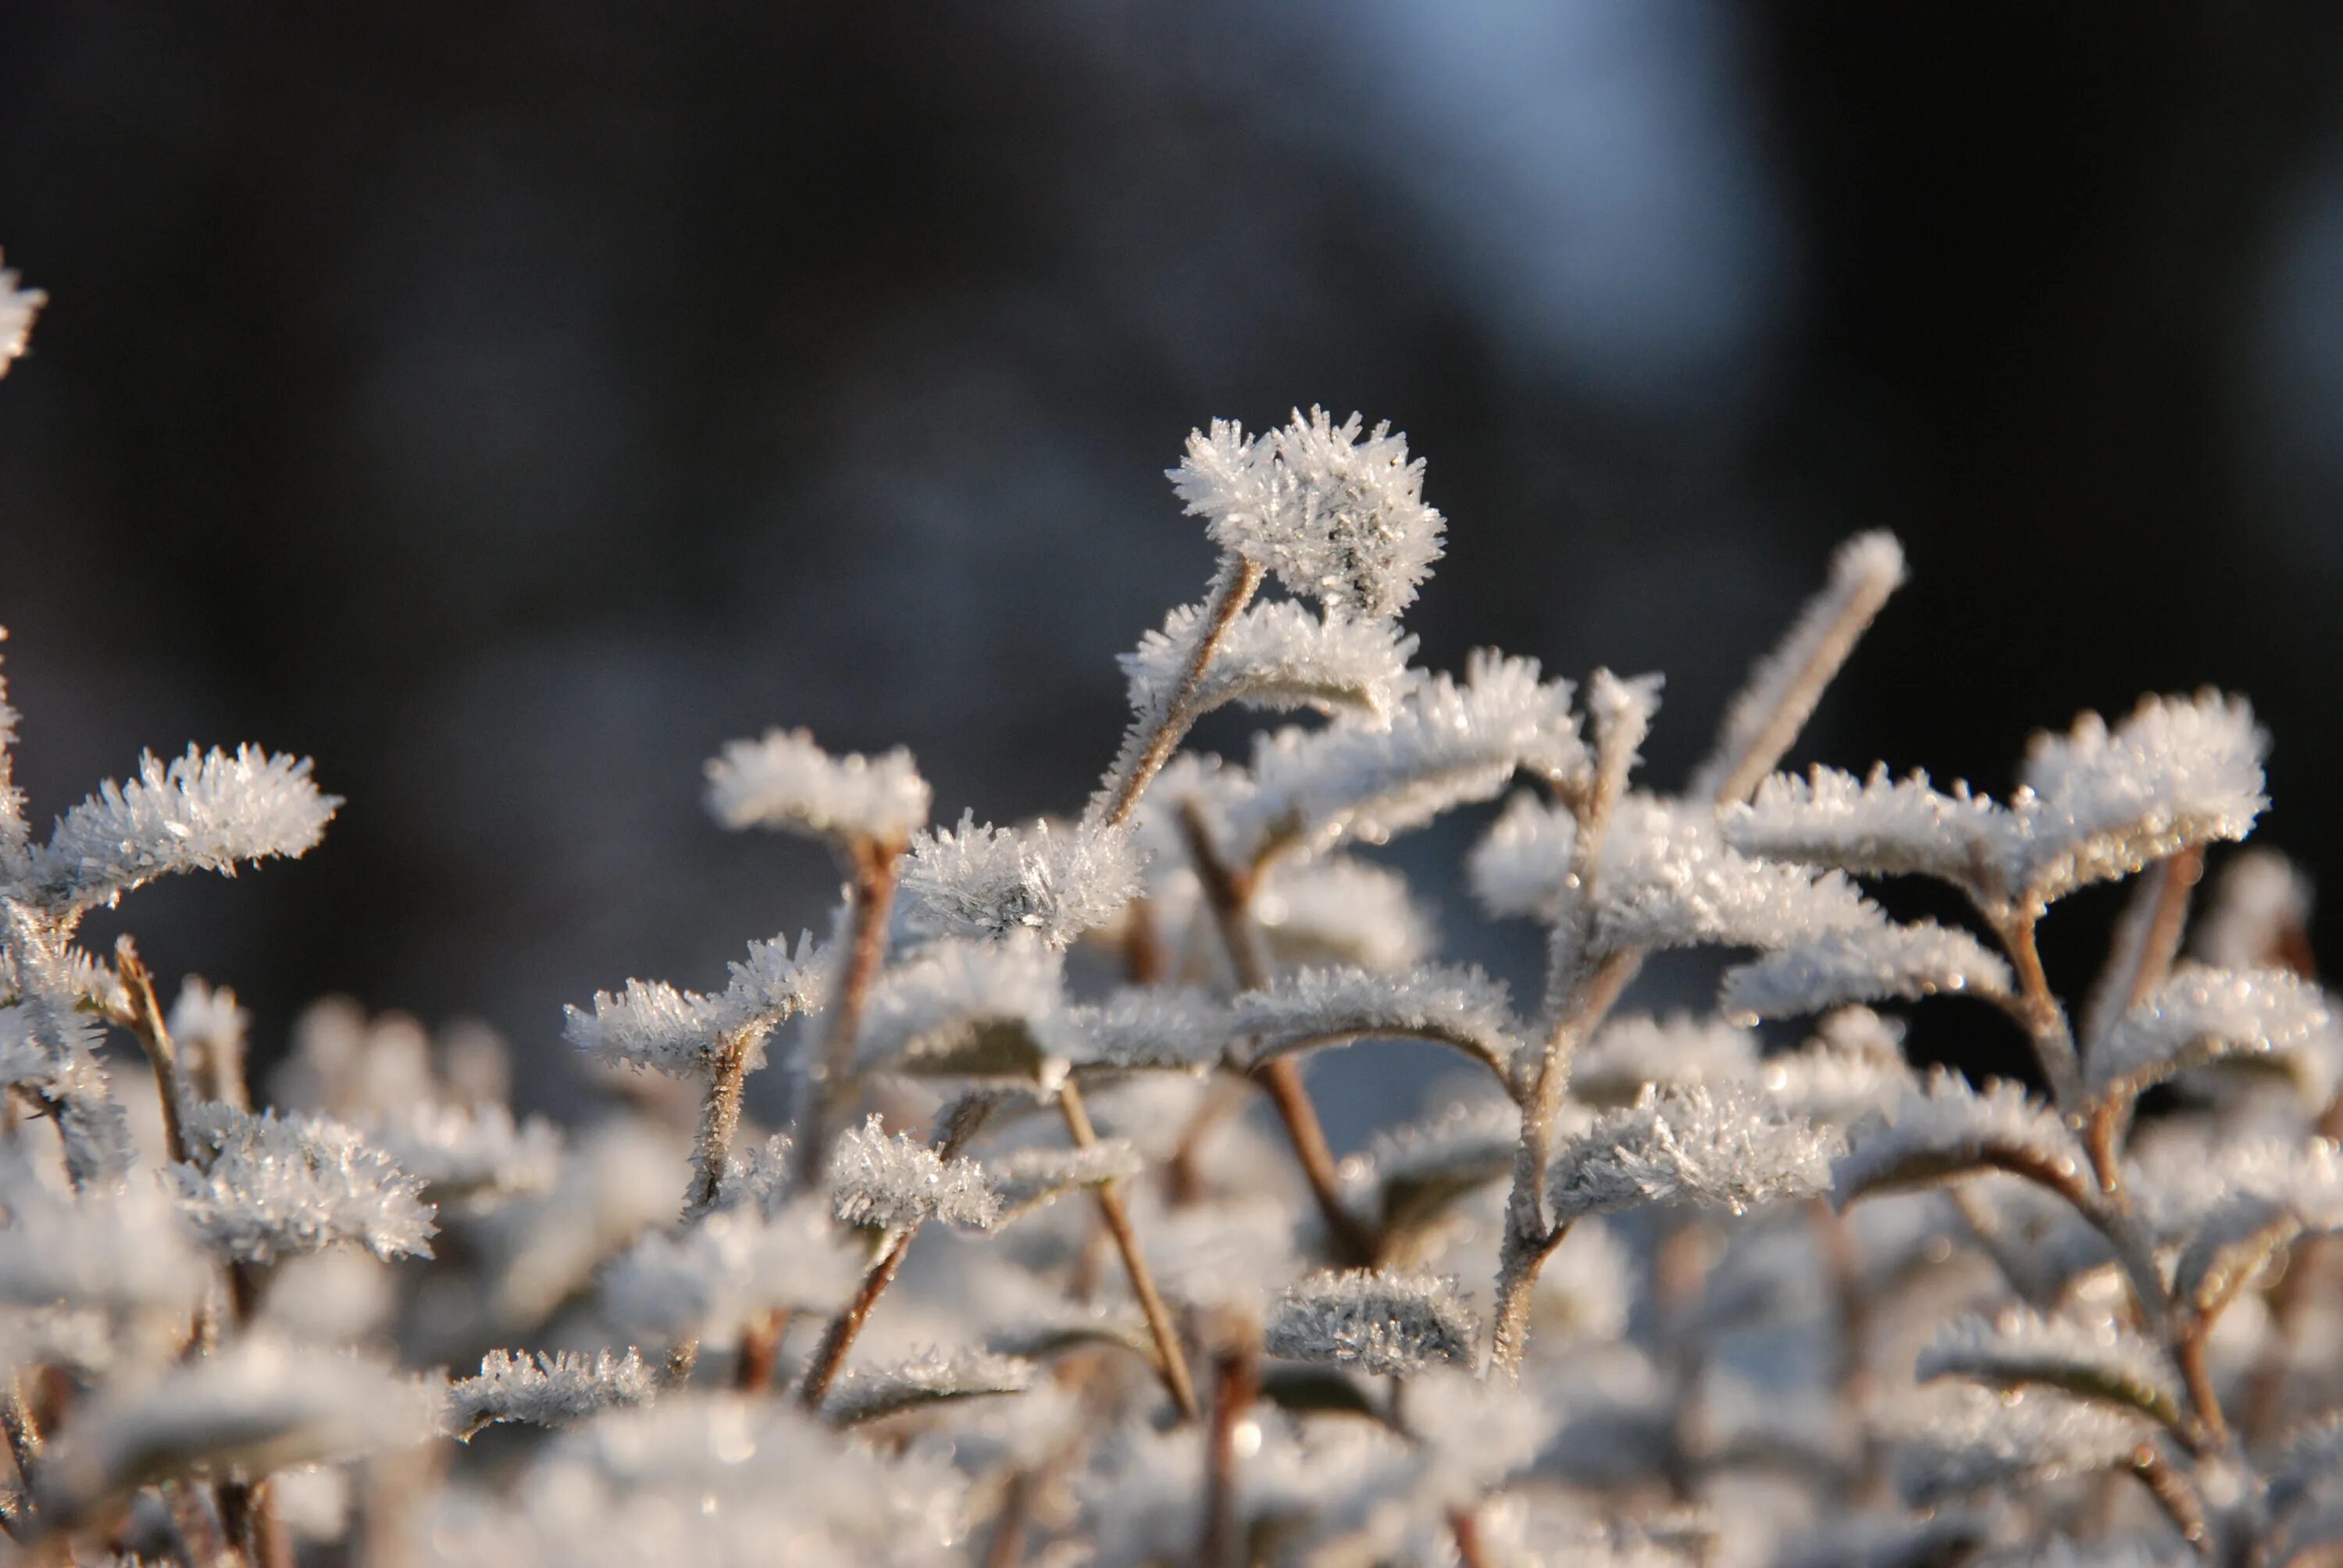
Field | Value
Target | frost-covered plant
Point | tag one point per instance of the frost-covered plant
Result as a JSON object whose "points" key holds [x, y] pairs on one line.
{"points": [[1630, 1289]]}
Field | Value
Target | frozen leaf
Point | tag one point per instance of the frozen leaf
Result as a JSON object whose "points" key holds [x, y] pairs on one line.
{"points": [[1988, 1441], [2234, 1244], [1949, 1129], [2099, 1361], [869, 1394], [1341, 909], [2181, 1184], [258, 1404], [1458, 1006], [1881, 827], [121, 1252], [18, 306], [1853, 1069], [1723, 1146], [1767, 713], [2260, 904], [475, 1155], [785, 781], [2198, 1015], [1665, 880], [553, 1388], [652, 1024], [268, 1186], [1863, 964], [886, 1183], [1409, 1176], [1054, 881], [1274, 655], [1030, 1178], [1522, 864], [201, 813], [713, 1278], [1629, 1053], [1139, 1026], [1378, 1321], [1447, 744], [961, 1008], [1339, 518]]}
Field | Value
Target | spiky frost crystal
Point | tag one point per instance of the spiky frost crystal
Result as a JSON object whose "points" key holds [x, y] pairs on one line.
{"points": [[119, 1251], [270, 1186], [785, 781], [894, 1184], [472, 1154], [2089, 1360], [2199, 1014], [1458, 1006], [1029, 1178], [1337, 518], [655, 1025], [936, 1377], [1948, 1129], [1724, 1147], [205, 812], [1054, 881], [1862, 964], [1379, 1321], [1982, 1441], [1522, 865], [966, 1009], [1184, 1030], [1341, 909], [1277, 657], [552, 1387], [1667, 879], [1632, 1052]]}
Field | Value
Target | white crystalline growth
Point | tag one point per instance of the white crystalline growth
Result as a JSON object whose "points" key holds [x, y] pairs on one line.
{"points": [[1411, 1173], [1879, 826], [2200, 1013], [653, 1025], [474, 1154], [714, 1278], [1724, 1146], [1630, 1052], [1974, 1440], [267, 1186], [784, 781], [1341, 909], [1273, 655], [1853, 1069], [18, 306], [894, 1184], [963, 1007], [552, 1387], [1030, 1178], [260, 1403], [1055, 880], [1447, 744], [1458, 1006], [1183, 1029], [1377, 1320], [869, 1393], [205, 812], [1667, 879], [2091, 1360], [1948, 1129], [1864, 964], [122, 1252], [1521, 867], [1338, 517], [209, 1018]]}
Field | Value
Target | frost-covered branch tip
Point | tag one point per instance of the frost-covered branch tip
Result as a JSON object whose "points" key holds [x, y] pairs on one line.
{"points": [[1339, 518], [2198, 1015], [885, 1183], [1864, 964], [1724, 1146], [1379, 1321], [2100, 1362], [785, 781], [270, 1186], [936, 1377], [1458, 1006], [205, 812], [1273, 655], [655, 1025], [959, 1007], [1983, 1440], [1055, 880], [1949, 1129], [553, 1388]]}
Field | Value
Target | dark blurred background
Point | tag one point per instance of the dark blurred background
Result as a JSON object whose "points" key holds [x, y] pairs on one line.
{"points": [[507, 403]]}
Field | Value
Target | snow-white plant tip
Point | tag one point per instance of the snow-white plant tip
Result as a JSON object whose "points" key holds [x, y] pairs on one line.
{"points": [[552, 1387], [1379, 1321], [715, 1278], [1948, 1129], [933, 1377], [653, 1025], [1457, 1007], [894, 1184], [1725, 1146], [1277, 656], [471, 1154], [1985, 1441], [19, 307], [1336, 514], [784, 781], [1880, 962], [2089, 1360], [267, 1186], [2201, 1014], [1057, 881]]}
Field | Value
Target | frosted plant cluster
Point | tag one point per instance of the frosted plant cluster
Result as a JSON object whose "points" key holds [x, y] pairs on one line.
{"points": [[1045, 1258]]}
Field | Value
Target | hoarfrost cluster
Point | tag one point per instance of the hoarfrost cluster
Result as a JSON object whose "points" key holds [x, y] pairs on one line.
{"points": [[1050, 1259]]}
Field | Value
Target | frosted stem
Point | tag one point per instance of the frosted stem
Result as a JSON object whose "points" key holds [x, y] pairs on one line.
{"points": [[2145, 942], [144, 1021], [874, 867], [1155, 736], [1236, 1383], [1170, 1362]]}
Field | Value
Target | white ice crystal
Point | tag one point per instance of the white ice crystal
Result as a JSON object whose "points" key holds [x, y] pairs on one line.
{"points": [[1338, 517], [18, 306], [1448, 743], [783, 780], [887, 1183], [1723, 1146], [120, 1252], [1948, 1129], [966, 1008], [1880, 825], [1521, 866], [2200, 1013], [1769, 711], [1140, 1027], [1055, 880], [655, 1025], [1341, 909], [1273, 655], [715, 1277], [1667, 879], [259, 1403], [1377, 1320], [1979, 1440], [208, 1019], [552, 1387], [1310, 1007], [2090, 1361], [1853, 1069], [1862, 964], [1628, 1053], [472, 1154], [870, 1392], [1029, 1178], [206, 811], [267, 1186]]}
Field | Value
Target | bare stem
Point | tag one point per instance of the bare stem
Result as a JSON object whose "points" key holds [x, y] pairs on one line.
{"points": [[873, 867], [1466, 1526], [144, 1019], [2175, 1495], [719, 1122], [2189, 1353], [1236, 1383], [2038, 1011], [2146, 941], [1148, 749], [1170, 1362], [760, 1352], [1228, 891]]}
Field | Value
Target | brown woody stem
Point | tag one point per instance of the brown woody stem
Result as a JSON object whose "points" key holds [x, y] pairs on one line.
{"points": [[144, 1019], [873, 866], [1239, 580], [1171, 1363], [1236, 1383]]}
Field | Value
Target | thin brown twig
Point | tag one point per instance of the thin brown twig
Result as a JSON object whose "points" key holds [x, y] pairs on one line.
{"points": [[873, 867], [144, 1019], [1236, 1383], [1170, 1362], [760, 1352], [1239, 580]]}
